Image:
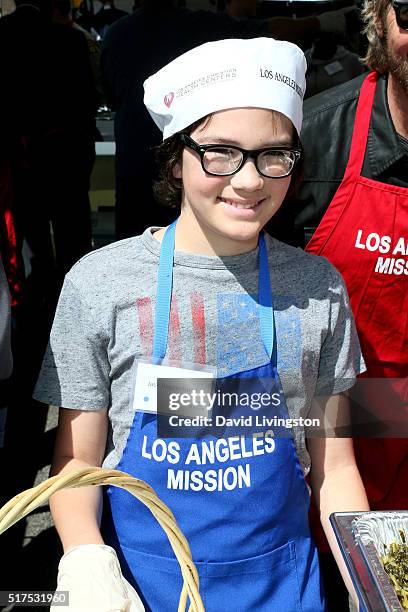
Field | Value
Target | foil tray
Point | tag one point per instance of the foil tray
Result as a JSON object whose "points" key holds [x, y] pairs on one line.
{"points": [[361, 537]]}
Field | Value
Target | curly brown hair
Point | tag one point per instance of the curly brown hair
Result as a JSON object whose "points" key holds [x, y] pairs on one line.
{"points": [[167, 188], [373, 15]]}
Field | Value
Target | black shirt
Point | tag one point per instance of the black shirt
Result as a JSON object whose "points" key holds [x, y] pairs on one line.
{"points": [[46, 77], [404, 144], [105, 17]]}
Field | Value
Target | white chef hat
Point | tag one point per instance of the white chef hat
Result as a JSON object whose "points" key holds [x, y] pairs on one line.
{"points": [[233, 73]]}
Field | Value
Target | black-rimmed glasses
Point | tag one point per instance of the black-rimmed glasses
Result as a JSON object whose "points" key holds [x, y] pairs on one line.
{"points": [[224, 160], [401, 13]]}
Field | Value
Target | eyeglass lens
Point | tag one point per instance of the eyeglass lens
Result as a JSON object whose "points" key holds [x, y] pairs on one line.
{"points": [[401, 11], [226, 160]]}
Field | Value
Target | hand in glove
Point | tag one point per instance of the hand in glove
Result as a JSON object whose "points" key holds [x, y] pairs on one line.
{"points": [[334, 21], [91, 574]]}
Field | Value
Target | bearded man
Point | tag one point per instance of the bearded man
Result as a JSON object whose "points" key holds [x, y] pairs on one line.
{"points": [[352, 208]]}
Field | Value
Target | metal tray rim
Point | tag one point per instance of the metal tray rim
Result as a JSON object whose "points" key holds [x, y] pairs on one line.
{"points": [[373, 560]]}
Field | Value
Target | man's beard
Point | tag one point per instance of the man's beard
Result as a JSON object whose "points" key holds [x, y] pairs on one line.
{"points": [[397, 66]]}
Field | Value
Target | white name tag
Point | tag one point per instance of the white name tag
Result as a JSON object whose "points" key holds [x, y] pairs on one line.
{"points": [[145, 386]]}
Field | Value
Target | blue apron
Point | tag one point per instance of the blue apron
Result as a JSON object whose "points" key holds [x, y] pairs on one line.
{"points": [[243, 505]]}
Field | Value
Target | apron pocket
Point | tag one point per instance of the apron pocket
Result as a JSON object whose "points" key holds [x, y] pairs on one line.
{"points": [[263, 583]]}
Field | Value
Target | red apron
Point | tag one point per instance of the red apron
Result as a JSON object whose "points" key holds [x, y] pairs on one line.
{"points": [[364, 233]]}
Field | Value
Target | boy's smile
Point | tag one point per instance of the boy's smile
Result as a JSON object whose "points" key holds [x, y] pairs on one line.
{"points": [[223, 215]]}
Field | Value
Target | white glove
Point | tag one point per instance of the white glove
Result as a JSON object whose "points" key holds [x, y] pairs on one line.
{"points": [[91, 574], [334, 21]]}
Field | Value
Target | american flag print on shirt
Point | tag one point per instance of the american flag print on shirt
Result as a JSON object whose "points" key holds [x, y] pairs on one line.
{"points": [[236, 331]]}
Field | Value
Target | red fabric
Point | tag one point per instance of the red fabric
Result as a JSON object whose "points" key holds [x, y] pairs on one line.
{"points": [[364, 225], [8, 243]]}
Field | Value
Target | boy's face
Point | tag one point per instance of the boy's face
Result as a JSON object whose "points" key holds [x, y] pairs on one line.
{"points": [[228, 212]]}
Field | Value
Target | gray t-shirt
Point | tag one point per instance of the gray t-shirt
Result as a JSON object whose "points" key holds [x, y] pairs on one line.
{"points": [[105, 314]]}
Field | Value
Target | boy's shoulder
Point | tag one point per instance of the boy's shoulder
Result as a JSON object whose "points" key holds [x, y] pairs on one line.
{"points": [[295, 257], [302, 270], [112, 252], [111, 266]]}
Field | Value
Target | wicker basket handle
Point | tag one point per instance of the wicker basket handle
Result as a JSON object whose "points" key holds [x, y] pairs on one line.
{"points": [[23, 503]]}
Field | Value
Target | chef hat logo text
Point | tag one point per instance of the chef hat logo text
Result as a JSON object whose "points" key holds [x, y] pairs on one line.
{"points": [[206, 80], [227, 74]]}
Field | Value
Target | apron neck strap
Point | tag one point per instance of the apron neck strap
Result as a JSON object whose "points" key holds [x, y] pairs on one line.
{"points": [[164, 292], [361, 127], [266, 316]]}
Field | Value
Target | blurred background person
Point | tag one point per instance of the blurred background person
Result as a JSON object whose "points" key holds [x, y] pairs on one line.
{"points": [[330, 63], [48, 106], [6, 358], [62, 14], [241, 9], [105, 16]]}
